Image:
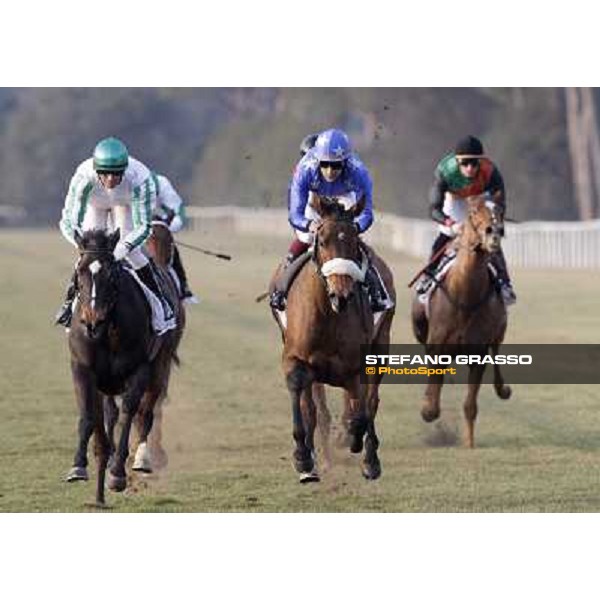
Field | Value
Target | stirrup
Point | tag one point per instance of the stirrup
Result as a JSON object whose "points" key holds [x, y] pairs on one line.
{"points": [[424, 284], [190, 298], [277, 300], [507, 294], [64, 315]]}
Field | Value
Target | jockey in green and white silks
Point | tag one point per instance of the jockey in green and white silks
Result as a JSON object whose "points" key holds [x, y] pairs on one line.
{"points": [[112, 190], [168, 208]]}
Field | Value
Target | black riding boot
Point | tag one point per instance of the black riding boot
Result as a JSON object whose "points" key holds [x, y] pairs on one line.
{"points": [[186, 294], [377, 294], [277, 297], [427, 278], [65, 314], [151, 280], [502, 278]]}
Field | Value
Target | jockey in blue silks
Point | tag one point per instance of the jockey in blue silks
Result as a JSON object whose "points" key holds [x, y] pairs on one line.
{"points": [[331, 169]]}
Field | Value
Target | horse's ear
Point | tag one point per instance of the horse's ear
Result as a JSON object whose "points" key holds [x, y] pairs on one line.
{"points": [[78, 238], [114, 238]]}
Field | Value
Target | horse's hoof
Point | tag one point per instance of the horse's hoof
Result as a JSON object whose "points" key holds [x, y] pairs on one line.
{"points": [[310, 477], [504, 393], [371, 472], [429, 414], [77, 474], [142, 461], [116, 483]]}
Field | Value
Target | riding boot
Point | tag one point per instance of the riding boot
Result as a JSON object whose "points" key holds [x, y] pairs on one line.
{"points": [[503, 281], [377, 294], [65, 314], [151, 280], [186, 294], [278, 296], [427, 280]]}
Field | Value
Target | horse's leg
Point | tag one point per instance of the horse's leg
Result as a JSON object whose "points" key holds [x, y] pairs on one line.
{"points": [[502, 391], [470, 404], [85, 392], [150, 452], [430, 411], [371, 463], [344, 439], [298, 379], [323, 422], [158, 454], [101, 449], [111, 415], [309, 416], [145, 422], [357, 421], [117, 480]]}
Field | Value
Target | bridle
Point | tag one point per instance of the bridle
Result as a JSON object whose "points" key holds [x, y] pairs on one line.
{"points": [[113, 280], [497, 226], [355, 268]]}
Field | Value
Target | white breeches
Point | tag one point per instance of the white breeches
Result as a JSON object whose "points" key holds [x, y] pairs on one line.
{"points": [[117, 217], [456, 209]]}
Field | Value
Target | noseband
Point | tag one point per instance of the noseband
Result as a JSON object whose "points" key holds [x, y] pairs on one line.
{"points": [[340, 266]]}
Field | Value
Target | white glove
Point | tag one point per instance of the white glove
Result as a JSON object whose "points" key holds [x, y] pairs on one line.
{"points": [[121, 251], [176, 224]]}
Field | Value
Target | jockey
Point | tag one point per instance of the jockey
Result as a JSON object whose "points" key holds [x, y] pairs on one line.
{"points": [[462, 173], [169, 209], [330, 168], [116, 184]]}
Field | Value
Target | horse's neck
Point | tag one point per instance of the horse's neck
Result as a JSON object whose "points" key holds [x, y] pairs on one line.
{"points": [[468, 277]]}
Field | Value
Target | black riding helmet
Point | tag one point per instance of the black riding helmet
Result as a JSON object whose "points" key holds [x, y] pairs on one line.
{"points": [[469, 146]]}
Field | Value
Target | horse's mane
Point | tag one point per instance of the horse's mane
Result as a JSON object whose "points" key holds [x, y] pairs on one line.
{"points": [[96, 240]]}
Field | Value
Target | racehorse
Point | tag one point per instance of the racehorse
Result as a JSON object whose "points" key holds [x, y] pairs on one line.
{"points": [[466, 313], [114, 351], [328, 318]]}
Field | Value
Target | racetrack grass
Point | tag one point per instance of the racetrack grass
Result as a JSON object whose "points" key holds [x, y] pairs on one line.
{"points": [[228, 423]]}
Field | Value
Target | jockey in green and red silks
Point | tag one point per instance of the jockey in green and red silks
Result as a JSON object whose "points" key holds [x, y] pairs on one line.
{"points": [[465, 172]]}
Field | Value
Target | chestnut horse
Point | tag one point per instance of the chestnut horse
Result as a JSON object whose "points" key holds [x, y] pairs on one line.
{"points": [[466, 313], [328, 319], [114, 351]]}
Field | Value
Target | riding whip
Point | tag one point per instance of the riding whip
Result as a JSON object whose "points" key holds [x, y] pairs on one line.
{"points": [[197, 249]]}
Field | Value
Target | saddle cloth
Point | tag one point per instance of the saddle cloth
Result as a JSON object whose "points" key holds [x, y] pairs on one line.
{"points": [[159, 323], [439, 275]]}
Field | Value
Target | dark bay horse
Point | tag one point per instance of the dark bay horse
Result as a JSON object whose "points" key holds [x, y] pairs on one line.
{"points": [[466, 314], [114, 351], [328, 319]]}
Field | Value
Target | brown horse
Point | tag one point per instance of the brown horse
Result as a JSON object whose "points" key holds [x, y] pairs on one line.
{"points": [[114, 351], [160, 246], [152, 455], [466, 314], [328, 318]]}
